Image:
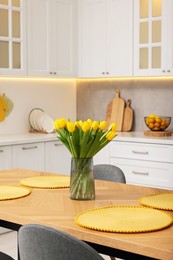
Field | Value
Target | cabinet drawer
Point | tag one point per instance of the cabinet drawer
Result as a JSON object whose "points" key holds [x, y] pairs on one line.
{"points": [[29, 156], [146, 173], [140, 151]]}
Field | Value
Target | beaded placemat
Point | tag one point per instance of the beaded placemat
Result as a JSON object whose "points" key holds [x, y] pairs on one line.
{"points": [[46, 182], [13, 192], [158, 201], [124, 219]]}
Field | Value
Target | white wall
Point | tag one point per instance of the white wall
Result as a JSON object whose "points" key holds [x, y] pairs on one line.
{"points": [[57, 97]]}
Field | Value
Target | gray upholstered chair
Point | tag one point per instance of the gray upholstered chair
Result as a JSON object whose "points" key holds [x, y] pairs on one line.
{"points": [[109, 172], [37, 242], [3, 256]]}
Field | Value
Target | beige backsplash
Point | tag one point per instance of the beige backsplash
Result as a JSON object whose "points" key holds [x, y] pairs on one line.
{"points": [[147, 95]]}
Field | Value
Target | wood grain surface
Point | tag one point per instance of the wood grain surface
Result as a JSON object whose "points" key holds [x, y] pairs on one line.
{"points": [[115, 111], [53, 207], [157, 133], [128, 117]]}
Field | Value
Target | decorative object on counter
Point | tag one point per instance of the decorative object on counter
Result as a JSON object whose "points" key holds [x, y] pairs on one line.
{"points": [[13, 192], [157, 125], [158, 201], [115, 111], [40, 121], [6, 106], [46, 182], [124, 219], [83, 140], [128, 117]]}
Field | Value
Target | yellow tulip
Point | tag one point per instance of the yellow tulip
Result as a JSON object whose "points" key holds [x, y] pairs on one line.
{"points": [[85, 126], [103, 125], [56, 125], [110, 135], [70, 127], [89, 121], [113, 127], [95, 125]]}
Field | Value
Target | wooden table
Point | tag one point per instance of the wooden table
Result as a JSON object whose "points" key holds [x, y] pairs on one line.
{"points": [[54, 208]]}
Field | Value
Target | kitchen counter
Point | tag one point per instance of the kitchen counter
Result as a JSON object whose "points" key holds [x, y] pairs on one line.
{"points": [[121, 136], [140, 137], [26, 138]]}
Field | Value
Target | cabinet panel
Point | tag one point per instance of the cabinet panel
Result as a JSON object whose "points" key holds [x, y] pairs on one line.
{"points": [[38, 37], [140, 151], [102, 157], [153, 37], [146, 173], [13, 38], [92, 38], [5, 157], [58, 158], [28, 156], [51, 37]]}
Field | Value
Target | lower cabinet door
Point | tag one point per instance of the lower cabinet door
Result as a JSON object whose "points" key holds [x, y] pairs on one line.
{"points": [[5, 157], [58, 158], [28, 156], [146, 173]]}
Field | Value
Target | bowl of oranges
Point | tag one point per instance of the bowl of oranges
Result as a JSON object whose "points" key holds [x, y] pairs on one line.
{"points": [[157, 123]]}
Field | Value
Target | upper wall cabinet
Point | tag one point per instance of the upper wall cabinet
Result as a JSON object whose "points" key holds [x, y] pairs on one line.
{"points": [[105, 38], [12, 37], [51, 37], [153, 37]]}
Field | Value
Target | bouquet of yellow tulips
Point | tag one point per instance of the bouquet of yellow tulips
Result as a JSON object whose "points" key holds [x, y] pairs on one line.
{"points": [[84, 138]]}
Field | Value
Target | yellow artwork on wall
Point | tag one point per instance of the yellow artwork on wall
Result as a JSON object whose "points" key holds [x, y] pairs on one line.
{"points": [[6, 106]]}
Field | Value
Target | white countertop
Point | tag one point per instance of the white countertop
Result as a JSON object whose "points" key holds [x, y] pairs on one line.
{"points": [[140, 137], [121, 136], [26, 138]]}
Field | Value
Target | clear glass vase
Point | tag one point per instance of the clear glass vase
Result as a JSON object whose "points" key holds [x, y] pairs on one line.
{"points": [[82, 186]]}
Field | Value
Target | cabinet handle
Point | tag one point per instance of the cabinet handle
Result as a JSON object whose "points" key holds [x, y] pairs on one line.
{"points": [[163, 71], [51, 72], [54, 73], [141, 173], [140, 152], [57, 144], [29, 148], [1, 151], [168, 70], [107, 73], [103, 73]]}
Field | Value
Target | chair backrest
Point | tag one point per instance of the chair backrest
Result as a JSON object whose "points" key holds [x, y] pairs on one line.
{"points": [[44, 243], [108, 172], [3, 256]]}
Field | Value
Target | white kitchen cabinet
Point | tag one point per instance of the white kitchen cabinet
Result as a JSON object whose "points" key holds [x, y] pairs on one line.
{"points": [[51, 37], [143, 163], [57, 158], [13, 37], [105, 38], [102, 157], [28, 156], [5, 157], [153, 37]]}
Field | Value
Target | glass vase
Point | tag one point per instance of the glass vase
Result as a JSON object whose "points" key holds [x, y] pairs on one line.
{"points": [[82, 186]]}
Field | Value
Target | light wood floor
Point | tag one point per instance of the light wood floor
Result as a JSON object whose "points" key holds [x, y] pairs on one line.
{"points": [[8, 244]]}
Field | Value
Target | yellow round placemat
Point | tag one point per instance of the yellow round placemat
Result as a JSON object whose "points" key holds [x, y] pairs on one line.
{"points": [[46, 182], [12, 192], [158, 201], [124, 219]]}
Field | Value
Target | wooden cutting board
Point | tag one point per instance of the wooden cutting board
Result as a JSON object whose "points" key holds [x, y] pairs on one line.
{"points": [[128, 117], [115, 111]]}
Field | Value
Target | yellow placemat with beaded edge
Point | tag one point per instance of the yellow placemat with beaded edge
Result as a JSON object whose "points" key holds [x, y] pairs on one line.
{"points": [[46, 182], [13, 192], [124, 219], [158, 201]]}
